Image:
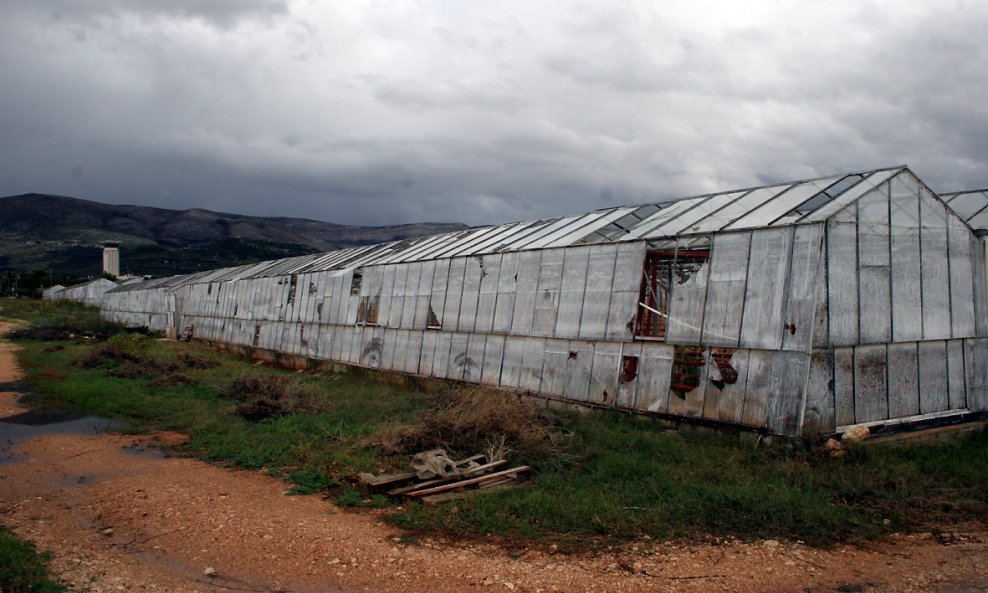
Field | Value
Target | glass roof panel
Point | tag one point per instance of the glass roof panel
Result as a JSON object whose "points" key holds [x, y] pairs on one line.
{"points": [[780, 205], [605, 221], [968, 204], [872, 181], [685, 222], [738, 208], [664, 215]]}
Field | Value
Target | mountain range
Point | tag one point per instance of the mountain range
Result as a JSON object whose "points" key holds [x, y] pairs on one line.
{"points": [[63, 235]]}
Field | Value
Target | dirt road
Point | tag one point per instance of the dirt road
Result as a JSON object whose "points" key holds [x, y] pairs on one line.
{"points": [[120, 517]]}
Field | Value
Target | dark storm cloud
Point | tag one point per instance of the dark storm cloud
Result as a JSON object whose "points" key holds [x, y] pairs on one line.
{"points": [[407, 111]]}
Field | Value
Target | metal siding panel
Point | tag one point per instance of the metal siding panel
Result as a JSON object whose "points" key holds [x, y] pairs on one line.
{"points": [[512, 361], [554, 367], [531, 370], [526, 287], [874, 271], [978, 247], [493, 353], [628, 268], [804, 275], [459, 360], [424, 294], [654, 373], [574, 280], [506, 286], [976, 366], [956, 375], [454, 291], [789, 373], [934, 395], [389, 349], [547, 294], [758, 390], [726, 291], [842, 294], [686, 306], [962, 297], [388, 285], [407, 318], [487, 300], [907, 310], [428, 352], [935, 268], [598, 289], [726, 402], [819, 415], [441, 358], [603, 384], [473, 364], [870, 383], [625, 396], [472, 276], [903, 380], [844, 386], [765, 294]]}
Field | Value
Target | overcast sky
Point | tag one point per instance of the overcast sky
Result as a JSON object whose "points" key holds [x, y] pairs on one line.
{"points": [[480, 112]]}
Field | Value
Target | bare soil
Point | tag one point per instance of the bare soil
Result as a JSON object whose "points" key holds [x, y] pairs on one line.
{"points": [[120, 516]]}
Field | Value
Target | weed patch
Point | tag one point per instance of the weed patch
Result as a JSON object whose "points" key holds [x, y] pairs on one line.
{"points": [[22, 568], [262, 397]]}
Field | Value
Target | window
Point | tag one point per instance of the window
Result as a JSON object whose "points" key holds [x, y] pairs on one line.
{"points": [[663, 270], [367, 310], [356, 282]]}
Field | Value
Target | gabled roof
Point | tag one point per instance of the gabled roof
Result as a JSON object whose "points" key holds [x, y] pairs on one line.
{"points": [[971, 205], [769, 206]]}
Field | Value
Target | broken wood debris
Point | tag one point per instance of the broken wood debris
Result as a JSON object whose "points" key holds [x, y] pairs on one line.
{"points": [[465, 473]]}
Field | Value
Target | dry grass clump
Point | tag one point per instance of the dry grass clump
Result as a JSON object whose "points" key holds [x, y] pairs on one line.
{"points": [[261, 397], [477, 421], [126, 357]]}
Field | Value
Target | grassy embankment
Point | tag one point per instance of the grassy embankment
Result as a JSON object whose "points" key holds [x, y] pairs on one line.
{"points": [[600, 477]]}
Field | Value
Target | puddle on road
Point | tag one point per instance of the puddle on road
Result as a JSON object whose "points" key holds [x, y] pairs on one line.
{"points": [[19, 428]]}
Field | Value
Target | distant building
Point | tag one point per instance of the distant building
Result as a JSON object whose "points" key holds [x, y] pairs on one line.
{"points": [[111, 258], [799, 308]]}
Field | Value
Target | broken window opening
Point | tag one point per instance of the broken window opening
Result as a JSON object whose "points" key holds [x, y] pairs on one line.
{"points": [[356, 282], [433, 322], [629, 368], [662, 270], [291, 289], [367, 310], [728, 374], [687, 368]]}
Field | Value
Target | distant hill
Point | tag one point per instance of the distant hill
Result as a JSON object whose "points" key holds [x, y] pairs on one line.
{"points": [[41, 232]]}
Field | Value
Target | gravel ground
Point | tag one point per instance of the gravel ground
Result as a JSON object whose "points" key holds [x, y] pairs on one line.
{"points": [[119, 516]]}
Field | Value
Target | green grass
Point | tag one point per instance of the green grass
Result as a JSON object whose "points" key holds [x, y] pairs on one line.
{"points": [[617, 477], [22, 568]]}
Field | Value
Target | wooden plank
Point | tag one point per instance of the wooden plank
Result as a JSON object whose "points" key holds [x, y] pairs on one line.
{"points": [[726, 383], [455, 476], [506, 286], [907, 311], [628, 381], [819, 414], [373, 481], [933, 392], [870, 383], [487, 300], [574, 281], [525, 291], [530, 378], [903, 380], [842, 294], [597, 292], [976, 365], [726, 292], [471, 481], [628, 266], [493, 353], [789, 373], [804, 273], [472, 275], [547, 294], [962, 322], [604, 382], [956, 375], [935, 268]]}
